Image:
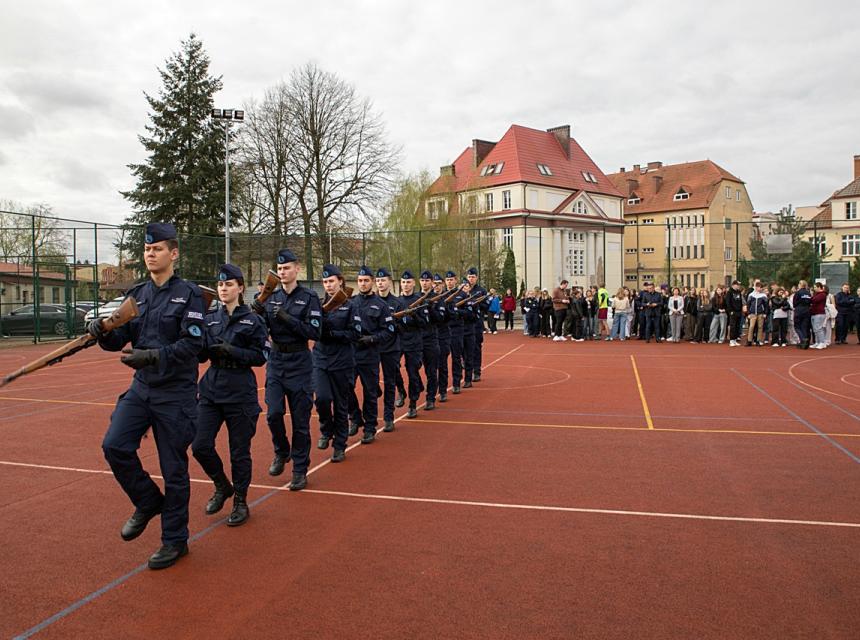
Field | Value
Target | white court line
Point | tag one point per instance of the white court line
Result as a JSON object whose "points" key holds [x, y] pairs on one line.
{"points": [[497, 505]]}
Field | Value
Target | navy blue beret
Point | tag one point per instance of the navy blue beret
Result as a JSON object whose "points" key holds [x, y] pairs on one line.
{"points": [[330, 270], [159, 231], [285, 256], [407, 275], [437, 277], [450, 274], [472, 271], [364, 270], [382, 272], [426, 275], [231, 272]]}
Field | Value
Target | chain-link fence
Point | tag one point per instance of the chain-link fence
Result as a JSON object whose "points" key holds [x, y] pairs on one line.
{"points": [[56, 273]]}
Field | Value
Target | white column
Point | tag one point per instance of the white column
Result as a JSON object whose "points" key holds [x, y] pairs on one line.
{"points": [[557, 258], [589, 256]]}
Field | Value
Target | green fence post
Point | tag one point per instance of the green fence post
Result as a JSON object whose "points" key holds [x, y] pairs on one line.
{"points": [[669, 253], [419, 250], [737, 249], [478, 231], [96, 260], [363, 248], [540, 256], [34, 268]]}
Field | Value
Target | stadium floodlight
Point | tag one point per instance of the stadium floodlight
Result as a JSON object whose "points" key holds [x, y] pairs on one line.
{"points": [[228, 115]]}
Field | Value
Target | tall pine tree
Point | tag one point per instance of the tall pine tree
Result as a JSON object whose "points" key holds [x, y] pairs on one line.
{"points": [[182, 179]]}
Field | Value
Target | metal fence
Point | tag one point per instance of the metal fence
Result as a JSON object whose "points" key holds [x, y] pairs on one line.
{"points": [[54, 270]]}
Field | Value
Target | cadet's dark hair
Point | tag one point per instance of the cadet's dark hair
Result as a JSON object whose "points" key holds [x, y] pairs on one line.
{"points": [[172, 244]]}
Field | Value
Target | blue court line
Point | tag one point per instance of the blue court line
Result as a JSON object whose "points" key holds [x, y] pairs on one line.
{"points": [[47, 622], [803, 421], [817, 397]]}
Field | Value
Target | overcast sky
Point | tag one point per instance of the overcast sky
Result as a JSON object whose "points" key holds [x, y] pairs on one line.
{"points": [[769, 91]]}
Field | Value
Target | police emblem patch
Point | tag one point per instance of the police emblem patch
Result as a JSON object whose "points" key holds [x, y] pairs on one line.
{"points": [[194, 330]]}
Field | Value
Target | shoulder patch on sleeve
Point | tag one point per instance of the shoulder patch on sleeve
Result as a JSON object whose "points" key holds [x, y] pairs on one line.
{"points": [[315, 313], [194, 330], [195, 314]]}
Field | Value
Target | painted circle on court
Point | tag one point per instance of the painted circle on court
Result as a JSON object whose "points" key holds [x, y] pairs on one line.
{"points": [[565, 376], [854, 397]]}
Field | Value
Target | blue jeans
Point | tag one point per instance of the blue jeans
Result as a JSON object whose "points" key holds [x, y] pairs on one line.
{"points": [[619, 325]]}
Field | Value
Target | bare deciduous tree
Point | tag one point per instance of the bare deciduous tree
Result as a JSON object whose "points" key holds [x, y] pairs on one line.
{"points": [[340, 163], [25, 229]]}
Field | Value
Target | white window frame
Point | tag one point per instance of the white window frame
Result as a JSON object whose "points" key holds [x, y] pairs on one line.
{"points": [[630, 250], [851, 244], [738, 199], [488, 202], [850, 210], [681, 195], [631, 278], [635, 200], [728, 193], [543, 169], [506, 199], [648, 250], [508, 237], [647, 220]]}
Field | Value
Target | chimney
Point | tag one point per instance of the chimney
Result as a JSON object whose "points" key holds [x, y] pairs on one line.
{"points": [[447, 170], [632, 185], [635, 168], [480, 150], [622, 170], [856, 167], [562, 134], [653, 166], [658, 182]]}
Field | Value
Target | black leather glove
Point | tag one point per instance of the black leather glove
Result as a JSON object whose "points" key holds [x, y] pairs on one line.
{"points": [[287, 319], [95, 329], [366, 340], [139, 358], [223, 350], [258, 308], [325, 331]]}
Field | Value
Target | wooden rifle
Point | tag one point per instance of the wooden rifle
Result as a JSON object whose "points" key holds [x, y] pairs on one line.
{"points": [[340, 296], [412, 308], [269, 285], [124, 314]]}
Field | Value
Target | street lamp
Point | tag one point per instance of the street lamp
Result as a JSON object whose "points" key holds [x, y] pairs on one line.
{"points": [[228, 116]]}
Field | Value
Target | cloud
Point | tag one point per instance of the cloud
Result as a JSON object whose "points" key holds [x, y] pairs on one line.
{"points": [[47, 92], [15, 122], [74, 174]]}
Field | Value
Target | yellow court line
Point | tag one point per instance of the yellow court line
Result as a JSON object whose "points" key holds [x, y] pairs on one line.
{"points": [[642, 394], [594, 427], [97, 404]]}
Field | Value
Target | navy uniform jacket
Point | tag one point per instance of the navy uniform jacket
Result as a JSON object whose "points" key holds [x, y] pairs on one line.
{"points": [[303, 307], [455, 314], [429, 333], [441, 321], [484, 306], [802, 299], [395, 304], [341, 328], [232, 380], [170, 320], [376, 321], [652, 297], [412, 325]]}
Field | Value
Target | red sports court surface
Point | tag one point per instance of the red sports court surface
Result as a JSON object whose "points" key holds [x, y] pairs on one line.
{"points": [[588, 490]]}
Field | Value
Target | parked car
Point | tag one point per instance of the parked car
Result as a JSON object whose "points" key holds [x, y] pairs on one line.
{"points": [[52, 319], [85, 306], [105, 309]]}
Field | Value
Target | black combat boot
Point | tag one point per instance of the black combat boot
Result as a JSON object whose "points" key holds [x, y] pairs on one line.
{"points": [[240, 512], [223, 490]]}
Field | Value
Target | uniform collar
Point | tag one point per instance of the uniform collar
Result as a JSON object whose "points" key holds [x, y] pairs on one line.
{"points": [[166, 285]]}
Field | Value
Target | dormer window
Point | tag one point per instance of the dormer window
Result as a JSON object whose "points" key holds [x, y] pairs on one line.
{"points": [[580, 208], [589, 177], [543, 169], [681, 195], [634, 199], [492, 169]]}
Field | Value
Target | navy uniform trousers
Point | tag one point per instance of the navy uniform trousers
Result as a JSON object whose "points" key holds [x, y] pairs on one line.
{"points": [[430, 360], [391, 380], [456, 354], [290, 376], [241, 422], [442, 368], [469, 349], [367, 371], [333, 390], [478, 356], [172, 414]]}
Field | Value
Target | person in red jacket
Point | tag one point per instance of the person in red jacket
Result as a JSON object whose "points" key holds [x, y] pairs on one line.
{"points": [[816, 311], [509, 305]]}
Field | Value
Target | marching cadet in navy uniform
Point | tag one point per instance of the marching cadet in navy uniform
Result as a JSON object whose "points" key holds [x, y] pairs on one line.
{"points": [[467, 313], [479, 310], [377, 328], [411, 341], [444, 333], [389, 354], [334, 364], [293, 316], [234, 340], [430, 342], [456, 329], [165, 340]]}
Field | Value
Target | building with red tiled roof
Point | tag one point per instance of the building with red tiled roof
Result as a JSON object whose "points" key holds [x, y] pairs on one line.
{"points": [[687, 223], [837, 227], [18, 285], [539, 193]]}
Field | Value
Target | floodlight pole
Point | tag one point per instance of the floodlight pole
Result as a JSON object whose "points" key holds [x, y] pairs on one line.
{"points": [[227, 192]]}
